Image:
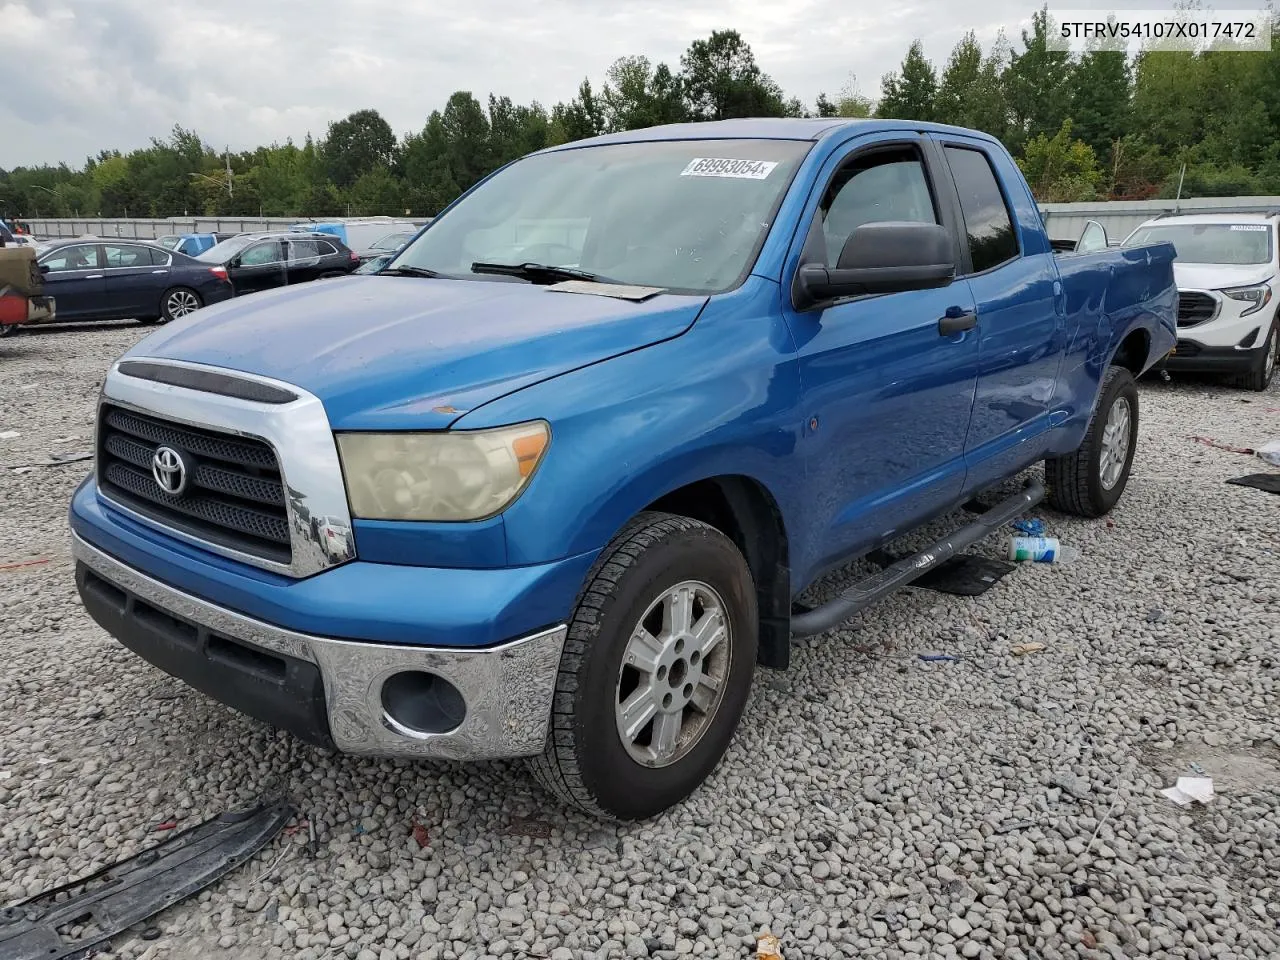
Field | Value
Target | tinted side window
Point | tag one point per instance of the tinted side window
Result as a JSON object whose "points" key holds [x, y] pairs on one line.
{"points": [[158, 257], [82, 256], [879, 187], [327, 249], [992, 239], [127, 255]]}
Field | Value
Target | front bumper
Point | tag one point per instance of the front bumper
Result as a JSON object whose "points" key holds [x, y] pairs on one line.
{"points": [[329, 691], [1190, 356]]}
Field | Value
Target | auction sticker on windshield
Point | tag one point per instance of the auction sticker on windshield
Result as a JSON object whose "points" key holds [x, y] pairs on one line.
{"points": [[721, 167], [1249, 226]]}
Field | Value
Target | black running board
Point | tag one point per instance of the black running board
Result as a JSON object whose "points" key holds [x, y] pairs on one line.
{"points": [[860, 595], [115, 898]]}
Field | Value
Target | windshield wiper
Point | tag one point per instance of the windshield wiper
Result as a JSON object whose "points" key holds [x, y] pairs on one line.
{"points": [[537, 272], [410, 272]]}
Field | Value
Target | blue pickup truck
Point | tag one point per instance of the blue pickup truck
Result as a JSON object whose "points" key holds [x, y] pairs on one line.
{"points": [[549, 484]]}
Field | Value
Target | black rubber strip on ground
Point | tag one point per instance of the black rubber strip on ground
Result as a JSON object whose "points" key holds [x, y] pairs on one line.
{"points": [[113, 899], [1268, 482]]}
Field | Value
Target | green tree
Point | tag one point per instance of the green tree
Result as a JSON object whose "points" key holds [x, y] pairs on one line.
{"points": [[721, 80], [911, 92], [1060, 169], [1101, 91], [636, 94], [356, 145], [580, 118], [1038, 85]]}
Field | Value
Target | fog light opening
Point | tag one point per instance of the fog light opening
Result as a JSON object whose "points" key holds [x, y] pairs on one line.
{"points": [[419, 704]]}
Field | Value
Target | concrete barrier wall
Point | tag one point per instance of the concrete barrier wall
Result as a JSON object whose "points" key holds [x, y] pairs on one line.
{"points": [[142, 229], [1064, 220]]}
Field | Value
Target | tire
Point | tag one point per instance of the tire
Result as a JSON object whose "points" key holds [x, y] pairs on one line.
{"points": [[1076, 482], [9, 330], [1259, 378], [177, 302], [587, 763]]}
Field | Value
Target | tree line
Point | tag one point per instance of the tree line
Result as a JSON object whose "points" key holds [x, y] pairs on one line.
{"points": [[1100, 125]]}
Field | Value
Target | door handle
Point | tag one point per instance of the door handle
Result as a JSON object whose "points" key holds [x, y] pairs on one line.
{"points": [[96, 276], [957, 320], [159, 271]]}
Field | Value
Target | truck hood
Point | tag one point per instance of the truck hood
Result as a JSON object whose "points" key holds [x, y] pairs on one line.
{"points": [[1215, 276], [409, 353]]}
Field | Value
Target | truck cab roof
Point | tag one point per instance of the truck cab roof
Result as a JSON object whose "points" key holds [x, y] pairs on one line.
{"points": [[769, 128]]}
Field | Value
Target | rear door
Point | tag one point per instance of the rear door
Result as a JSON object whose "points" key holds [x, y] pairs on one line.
{"points": [[261, 266], [1021, 311], [304, 260], [886, 395], [136, 277], [73, 277]]}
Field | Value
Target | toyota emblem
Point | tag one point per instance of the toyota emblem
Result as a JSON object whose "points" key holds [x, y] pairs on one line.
{"points": [[169, 471]]}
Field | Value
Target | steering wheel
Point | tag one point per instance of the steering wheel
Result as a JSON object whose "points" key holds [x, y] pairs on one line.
{"points": [[557, 254]]}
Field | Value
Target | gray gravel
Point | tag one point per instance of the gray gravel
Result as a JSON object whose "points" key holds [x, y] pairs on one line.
{"points": [[872, 805]]}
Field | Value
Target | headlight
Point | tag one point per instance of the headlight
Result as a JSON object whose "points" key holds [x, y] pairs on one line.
{"points": [[1259, 294], [462, 475]]}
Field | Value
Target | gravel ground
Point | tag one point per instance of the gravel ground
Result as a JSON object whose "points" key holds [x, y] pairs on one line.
{"points": [[873, 804]]}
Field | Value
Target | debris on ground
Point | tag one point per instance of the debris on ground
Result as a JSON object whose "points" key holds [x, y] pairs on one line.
{"points": [[768, 947], [1270, 452], [938, 657], [1155, 615], [166, 825], [76, 918], [24, 563], [1266, 482], [420, 835], [9, 434], [1190, 789], [1022, 649], [1030, 527], [1040, 550], [1219, 445], [528, 827]]}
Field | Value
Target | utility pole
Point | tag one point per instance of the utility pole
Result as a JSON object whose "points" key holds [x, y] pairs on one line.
{"points": [[226, 155]]}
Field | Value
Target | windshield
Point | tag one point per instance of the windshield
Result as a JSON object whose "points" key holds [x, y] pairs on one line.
{"points": [[392, 241], [682, 215], [224, 251], [1229, 243]]}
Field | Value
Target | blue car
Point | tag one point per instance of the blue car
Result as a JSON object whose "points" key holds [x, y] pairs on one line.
{"points": [[550, 484], [128, 279]]}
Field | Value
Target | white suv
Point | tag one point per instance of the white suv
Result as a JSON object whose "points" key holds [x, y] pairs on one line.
{"points": [[1227, 268]]}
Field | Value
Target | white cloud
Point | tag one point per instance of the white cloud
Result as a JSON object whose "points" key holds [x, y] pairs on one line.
{"points": [[86, 75]]}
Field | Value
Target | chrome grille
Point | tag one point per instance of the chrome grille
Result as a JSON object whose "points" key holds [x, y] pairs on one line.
{"points": [[234, 498]]}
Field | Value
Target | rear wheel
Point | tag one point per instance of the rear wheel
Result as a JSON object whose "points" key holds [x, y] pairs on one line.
{"points": [[177, 303], [655, 671], [1259, 378], [1089, 481]]}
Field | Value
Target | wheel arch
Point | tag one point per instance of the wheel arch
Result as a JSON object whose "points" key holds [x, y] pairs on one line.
{"points": [[744, 510]]}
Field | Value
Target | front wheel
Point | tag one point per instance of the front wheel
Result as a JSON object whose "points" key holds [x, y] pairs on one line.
{"points": [[1259, 378], [1089, 481], [655, 672]]}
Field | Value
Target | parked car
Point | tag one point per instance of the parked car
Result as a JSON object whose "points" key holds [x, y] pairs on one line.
{"points": [[358, 233], [380, 254], [128, 279], [192, 244], [1228, 314], [583, 485], [260, 261]]}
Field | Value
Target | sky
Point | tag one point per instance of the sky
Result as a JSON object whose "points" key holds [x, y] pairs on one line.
{"points": [[86, 75]]}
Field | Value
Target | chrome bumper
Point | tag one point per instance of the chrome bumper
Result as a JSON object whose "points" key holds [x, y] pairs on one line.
{"points": [[507, 689]]}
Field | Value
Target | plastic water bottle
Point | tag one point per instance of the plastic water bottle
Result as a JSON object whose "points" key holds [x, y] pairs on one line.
{"points": [[1041, 550]]}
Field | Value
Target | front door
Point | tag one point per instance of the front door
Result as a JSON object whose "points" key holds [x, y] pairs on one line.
{"points": [[1021, 312], [73, 277], [304, 260], [886, 394], [260, 267]]}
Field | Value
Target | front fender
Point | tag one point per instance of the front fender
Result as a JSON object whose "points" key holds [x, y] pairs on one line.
{"points": [[722, 399]]}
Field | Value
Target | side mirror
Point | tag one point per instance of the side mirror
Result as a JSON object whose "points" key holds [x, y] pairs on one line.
{"points": [[233, 262], [44, 268], [884, 257]]}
